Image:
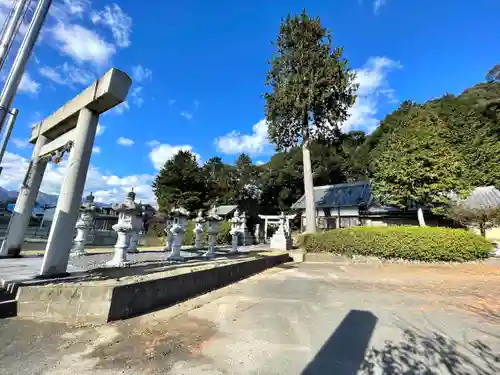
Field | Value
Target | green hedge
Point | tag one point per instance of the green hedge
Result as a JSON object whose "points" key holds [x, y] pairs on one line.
{"points": [[430, 244], [223, 238]]}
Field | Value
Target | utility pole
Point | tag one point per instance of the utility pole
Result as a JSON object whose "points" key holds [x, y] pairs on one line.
{"points": [[16, 73], [6, 136], [13, 22]]}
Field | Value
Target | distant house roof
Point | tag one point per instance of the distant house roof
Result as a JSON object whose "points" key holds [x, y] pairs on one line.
{"points": [[484, 197], [340, 195], [225, 210]]}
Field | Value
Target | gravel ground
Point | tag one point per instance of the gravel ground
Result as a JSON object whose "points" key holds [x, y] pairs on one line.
{"points": [[294, 319]]}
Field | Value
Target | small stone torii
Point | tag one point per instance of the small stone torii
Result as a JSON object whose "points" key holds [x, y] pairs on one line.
{"points": [[71, 128]]}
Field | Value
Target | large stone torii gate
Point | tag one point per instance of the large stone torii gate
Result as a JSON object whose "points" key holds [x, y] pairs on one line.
{"points": [[72, 127]]}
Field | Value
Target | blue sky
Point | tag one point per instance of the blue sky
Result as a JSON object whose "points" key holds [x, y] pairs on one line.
{"points": [[199, 69]]}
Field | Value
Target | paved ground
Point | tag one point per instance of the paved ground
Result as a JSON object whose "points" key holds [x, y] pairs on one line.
{"points": [[19, 269], [307, 319]]}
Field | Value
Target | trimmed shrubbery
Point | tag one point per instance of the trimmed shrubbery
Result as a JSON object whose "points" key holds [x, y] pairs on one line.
{"points": [[430, 244]]}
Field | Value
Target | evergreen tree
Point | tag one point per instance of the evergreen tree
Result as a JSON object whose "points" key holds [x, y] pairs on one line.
{"points": [[311, 92], [417, 164], [180, 182]]}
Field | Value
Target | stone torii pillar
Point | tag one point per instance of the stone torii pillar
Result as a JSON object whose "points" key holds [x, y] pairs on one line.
{"points": [[72, 127], [18, 224]]}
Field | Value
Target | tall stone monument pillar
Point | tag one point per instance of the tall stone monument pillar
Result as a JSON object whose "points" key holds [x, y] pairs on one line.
{"points": [[14, 239]]}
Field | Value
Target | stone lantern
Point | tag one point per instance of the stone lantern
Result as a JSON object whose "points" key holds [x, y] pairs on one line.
{"points": [[83, 225], [127, 210], [169, 221], [178, 229], [247, 236], [198, 229], [213, 228], [134, 235], [235, 231]]}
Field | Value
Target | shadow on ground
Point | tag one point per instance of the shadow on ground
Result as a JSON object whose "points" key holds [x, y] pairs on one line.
{"points": [[419, 352], [142, 268]]}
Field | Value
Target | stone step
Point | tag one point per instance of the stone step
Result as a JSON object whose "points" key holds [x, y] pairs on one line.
{"points": [[8, 303]]}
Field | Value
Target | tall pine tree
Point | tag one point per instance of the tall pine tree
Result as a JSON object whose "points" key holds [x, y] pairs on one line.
{"points": [[311, 91]]}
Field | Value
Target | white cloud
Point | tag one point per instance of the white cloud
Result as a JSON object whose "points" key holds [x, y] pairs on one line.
{"points": [[68, 74], [136, 96], [259, 162], [235, 142], [153, 143], [121, 108], [96, 149], [77, 7], [377, 4], [163, 152], [171, 102], [100, 129], [20, 143], [65, 10], [28, 84], [373, 89], [82, 44], [106, 188], [187, 115], [140, 73], [122, 141], [117, 21], [51, 74]]}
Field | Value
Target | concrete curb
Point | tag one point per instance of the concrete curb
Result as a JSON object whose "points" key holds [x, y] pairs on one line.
{"points": [[81, 303]]}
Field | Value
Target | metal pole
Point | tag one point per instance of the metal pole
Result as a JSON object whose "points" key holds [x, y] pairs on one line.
{"points": [[23, 55], [11, 29], [6, 136]]}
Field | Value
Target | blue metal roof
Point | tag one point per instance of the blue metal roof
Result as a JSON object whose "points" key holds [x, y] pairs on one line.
{"points": [[339, 195]]}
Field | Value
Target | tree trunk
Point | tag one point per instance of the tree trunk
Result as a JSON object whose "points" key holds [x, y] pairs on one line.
{"points": [[308, 189], [482, 229], [420, 215]]}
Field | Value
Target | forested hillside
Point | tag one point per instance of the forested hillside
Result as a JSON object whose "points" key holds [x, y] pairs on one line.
{"points": [[450, 143]]}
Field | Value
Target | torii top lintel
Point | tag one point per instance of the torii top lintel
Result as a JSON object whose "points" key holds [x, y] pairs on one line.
{"points": [[105, 93]]}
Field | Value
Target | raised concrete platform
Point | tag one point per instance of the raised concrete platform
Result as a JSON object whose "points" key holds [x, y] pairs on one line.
{"points": [[92, 294]]}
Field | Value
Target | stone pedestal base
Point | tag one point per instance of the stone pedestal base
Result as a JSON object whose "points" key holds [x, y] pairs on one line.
{"points": [[247, 238], [132, 248], [120, 256], [281, 242], [212, 239], [78, 249], [175, 257], [234, 244], [168, 244], [197, 240]]}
